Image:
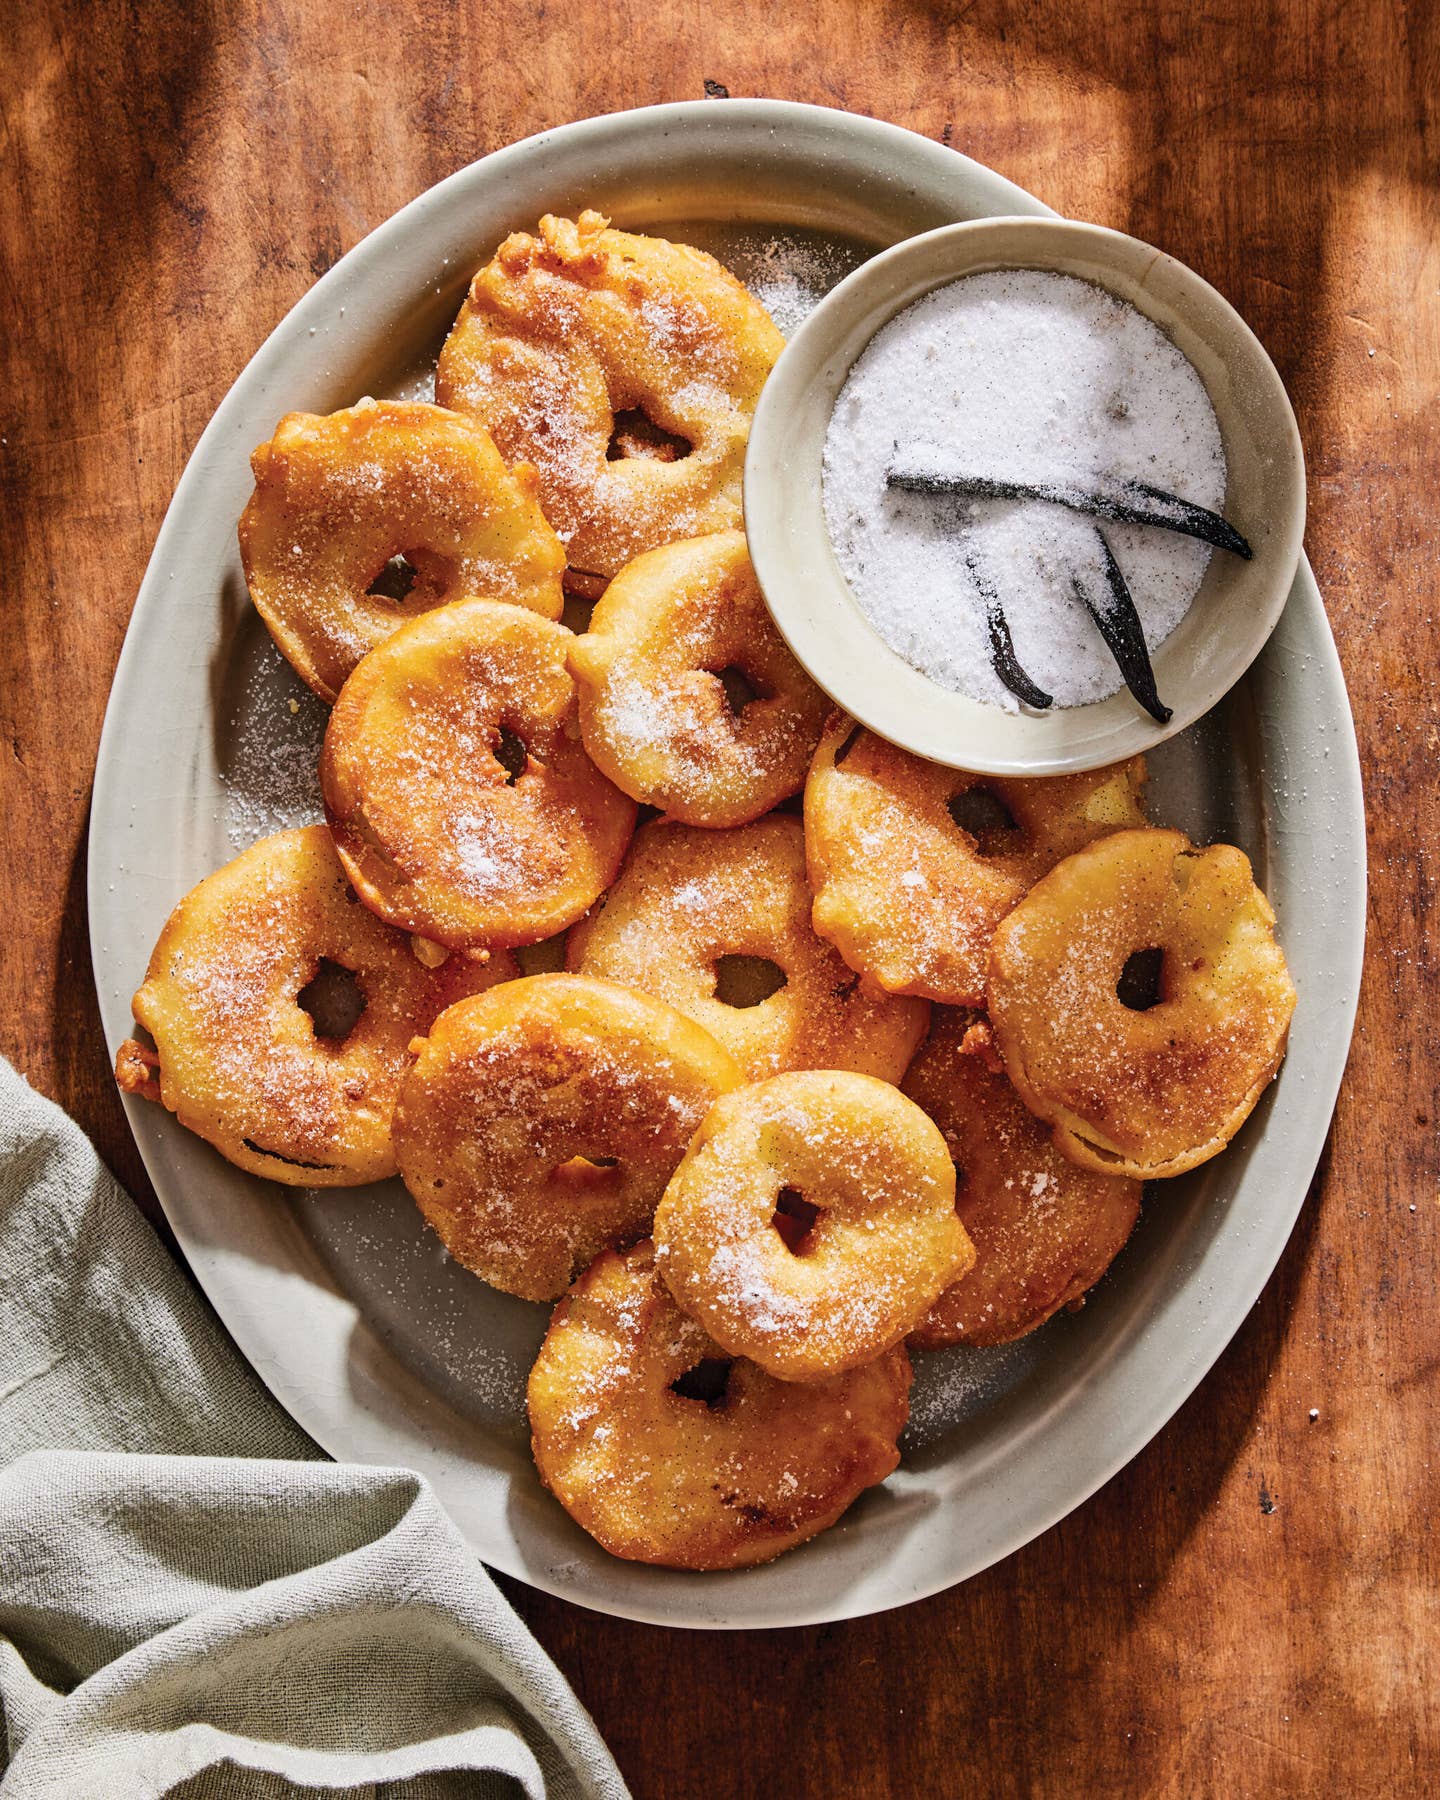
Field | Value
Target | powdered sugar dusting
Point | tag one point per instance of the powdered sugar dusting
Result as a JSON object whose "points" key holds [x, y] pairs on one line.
{"points": [[879, 1250]]}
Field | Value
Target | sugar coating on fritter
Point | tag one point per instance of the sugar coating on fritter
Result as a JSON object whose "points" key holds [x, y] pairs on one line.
{"points": [[914, 864], [812, 1223], [669, 632], [1153, 1091], [439, 834], [240, 1059], [535, 1133], [667, 1450], [388, 498], [687, 900], [1044, 1229], [626, 369]]}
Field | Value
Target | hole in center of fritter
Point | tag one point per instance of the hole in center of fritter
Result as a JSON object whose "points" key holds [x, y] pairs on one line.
{"points": [[740, 690], [636, 434], [395, 580], [582, 591], [706, 1382], [1139, 985], [794, 1218], [746, 980], [511, 755], [983, 816], [334, 1001]]}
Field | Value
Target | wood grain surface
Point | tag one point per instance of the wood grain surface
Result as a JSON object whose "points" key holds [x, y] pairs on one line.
{"points": [[1251, 1607]]}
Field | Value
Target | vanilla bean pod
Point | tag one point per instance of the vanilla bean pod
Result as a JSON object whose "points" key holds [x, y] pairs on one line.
{"points": [[1119, 625], [1123, 502], [1002, 648]]}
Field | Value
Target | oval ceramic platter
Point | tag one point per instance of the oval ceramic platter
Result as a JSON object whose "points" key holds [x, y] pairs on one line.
{"points": [[384, 1350]]}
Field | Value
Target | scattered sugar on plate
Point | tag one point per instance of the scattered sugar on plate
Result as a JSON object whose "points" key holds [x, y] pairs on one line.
{"points": [[790, 274], [470, 1342], [419, 384], [1027, 376], [955, 1386], [270, 763]]}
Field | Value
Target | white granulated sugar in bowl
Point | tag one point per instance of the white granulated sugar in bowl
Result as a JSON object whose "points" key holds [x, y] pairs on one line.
{"points": [[1016, 375]]}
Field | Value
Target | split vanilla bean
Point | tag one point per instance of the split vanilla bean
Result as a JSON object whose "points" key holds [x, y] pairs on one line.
{"points": [[1122, 502], [1119, 624], [1002, 647]]}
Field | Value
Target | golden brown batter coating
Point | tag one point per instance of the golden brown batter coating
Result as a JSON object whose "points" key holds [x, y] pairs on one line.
{"points": [[722, 1477], [337, 498], [654, 711], [1152, 1092], [565, 335], [1044, 1229], [686, 899], [239, 1058], [437, 833], [904, 890], [812, 1224], [535, 1133]]}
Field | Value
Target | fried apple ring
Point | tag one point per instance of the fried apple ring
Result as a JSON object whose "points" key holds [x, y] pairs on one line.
{"points": [[564, 338], [535, 1133], [1044, 1229], [438, 834], [349, 509], [1133, 1086], [914, 865], [690, 905], [654, 708], [668, 1451], [241, 1061], [812, 1224]]}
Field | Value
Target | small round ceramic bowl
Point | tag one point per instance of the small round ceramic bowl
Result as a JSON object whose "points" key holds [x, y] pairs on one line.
{"points": [[1233, 613]]}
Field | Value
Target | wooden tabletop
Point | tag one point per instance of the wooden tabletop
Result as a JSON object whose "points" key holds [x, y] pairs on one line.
{"points": [[1252, 1605]]}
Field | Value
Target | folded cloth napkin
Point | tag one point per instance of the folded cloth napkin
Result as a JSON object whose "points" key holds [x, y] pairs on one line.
{"points": [[192, 1600]]}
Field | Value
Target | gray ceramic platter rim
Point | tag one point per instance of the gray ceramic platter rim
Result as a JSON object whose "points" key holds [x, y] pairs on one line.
{"points": [[980, 1480]]}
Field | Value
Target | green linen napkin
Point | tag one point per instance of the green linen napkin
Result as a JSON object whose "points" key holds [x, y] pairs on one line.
{"points": [[192, 1600]]}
